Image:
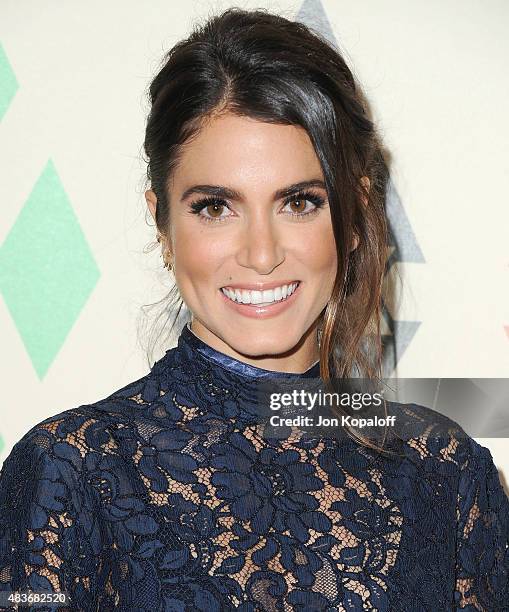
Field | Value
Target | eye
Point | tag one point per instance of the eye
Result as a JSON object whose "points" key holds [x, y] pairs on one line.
{"points": [[213, 205], [302, 200]]}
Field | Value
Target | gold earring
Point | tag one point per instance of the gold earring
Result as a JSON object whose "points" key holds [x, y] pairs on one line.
{"points": [[167, 264]]}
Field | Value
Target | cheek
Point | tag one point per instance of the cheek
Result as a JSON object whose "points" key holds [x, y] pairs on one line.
{"points": [[197, 257], [319, 250], [190, 254]]}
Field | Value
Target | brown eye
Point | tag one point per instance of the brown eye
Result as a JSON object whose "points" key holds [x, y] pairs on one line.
{"points": [[301, 205], [210, 210], [215, 210], [299, 202]]}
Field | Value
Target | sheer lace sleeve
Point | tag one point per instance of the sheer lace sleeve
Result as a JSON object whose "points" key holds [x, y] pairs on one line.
{"points": [[45, 530], [482, 553]]}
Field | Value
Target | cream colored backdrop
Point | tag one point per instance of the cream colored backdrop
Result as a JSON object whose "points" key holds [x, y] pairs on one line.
{"points": [[73, 272]]}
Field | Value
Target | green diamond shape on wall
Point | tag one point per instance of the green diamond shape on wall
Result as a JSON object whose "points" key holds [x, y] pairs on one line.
{"points": [[47, 270], [8, 83]]}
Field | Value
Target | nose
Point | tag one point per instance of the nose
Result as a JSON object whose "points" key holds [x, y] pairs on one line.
{"points": [[261, 244]]}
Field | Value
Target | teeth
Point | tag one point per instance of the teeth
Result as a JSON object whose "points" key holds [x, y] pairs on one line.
{"points": [[269, 296]]}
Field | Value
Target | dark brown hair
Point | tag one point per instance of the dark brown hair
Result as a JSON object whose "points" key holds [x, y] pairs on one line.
{"points": [[261, 65]]}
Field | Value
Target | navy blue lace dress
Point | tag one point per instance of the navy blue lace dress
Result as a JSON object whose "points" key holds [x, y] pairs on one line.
{"points": [[163, 496]]}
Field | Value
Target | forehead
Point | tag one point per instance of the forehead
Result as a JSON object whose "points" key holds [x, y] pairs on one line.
{"points": [[231, 148]]}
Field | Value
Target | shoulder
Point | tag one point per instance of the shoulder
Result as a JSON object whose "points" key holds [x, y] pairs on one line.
{"points": [[52, 451], [112, 425], [437, 449], [68, 436], [425, 434]]}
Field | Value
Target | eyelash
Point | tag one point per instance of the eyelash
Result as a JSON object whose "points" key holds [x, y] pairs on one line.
{"points": [[199, 205]]}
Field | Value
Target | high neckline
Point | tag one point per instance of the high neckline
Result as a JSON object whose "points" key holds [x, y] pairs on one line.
{"points": [[191, 343]]}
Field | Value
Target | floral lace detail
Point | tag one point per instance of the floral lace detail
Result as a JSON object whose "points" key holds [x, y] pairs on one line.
{"points": [[164, 496]]}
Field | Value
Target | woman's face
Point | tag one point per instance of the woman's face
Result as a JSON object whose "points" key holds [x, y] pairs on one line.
{"points": [[253, 236]]}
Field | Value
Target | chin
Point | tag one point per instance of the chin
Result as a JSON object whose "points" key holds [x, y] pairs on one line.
{"points": [[267, 343]]}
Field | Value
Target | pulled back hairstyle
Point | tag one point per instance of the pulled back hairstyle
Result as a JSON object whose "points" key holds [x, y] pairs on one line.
{"points": [[263, 66]]}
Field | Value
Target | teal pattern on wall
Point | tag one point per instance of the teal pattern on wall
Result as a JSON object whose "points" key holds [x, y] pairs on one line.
{"points": [[47, 270], [8, 83]]}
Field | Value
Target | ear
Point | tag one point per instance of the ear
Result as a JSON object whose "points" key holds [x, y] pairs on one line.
{"points": [[151, 199], [366, 183]]}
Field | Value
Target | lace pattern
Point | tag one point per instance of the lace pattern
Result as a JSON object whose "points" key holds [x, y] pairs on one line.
{"points": [[164, 496]]}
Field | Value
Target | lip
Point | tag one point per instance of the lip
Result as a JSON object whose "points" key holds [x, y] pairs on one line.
{"points": [[257, 311], [261, 286]]}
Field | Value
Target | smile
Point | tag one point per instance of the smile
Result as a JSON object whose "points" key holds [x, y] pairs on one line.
{"points": [[260, 298]]}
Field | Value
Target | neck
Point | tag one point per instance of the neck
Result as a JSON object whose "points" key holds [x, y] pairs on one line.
{"points": [[298, 359]]}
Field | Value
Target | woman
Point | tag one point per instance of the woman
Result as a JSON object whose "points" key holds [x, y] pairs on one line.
{"points": [[266, 188]]}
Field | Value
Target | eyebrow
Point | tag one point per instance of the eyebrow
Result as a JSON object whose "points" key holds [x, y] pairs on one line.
{"points": [[225, 192]]}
